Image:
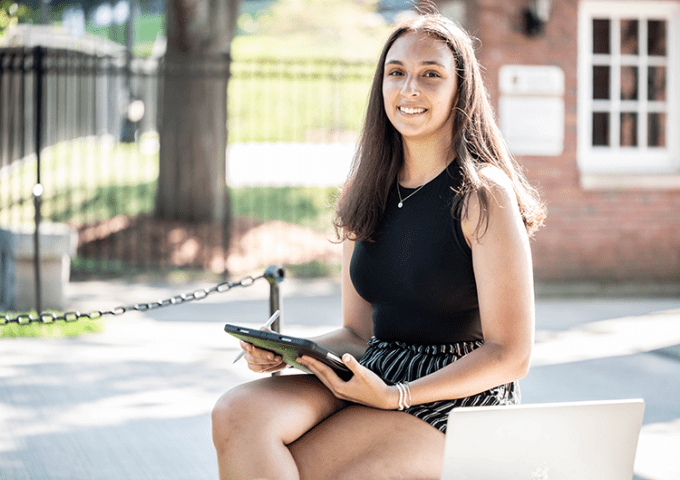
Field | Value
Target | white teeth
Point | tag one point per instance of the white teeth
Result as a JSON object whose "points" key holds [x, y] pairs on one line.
{"points": [[411, 111]]}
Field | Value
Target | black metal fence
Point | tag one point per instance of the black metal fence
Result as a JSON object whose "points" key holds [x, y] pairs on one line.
{"points": [[85, 129]]}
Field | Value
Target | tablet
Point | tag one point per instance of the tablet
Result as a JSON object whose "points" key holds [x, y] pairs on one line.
{"points": [[290, 348]]}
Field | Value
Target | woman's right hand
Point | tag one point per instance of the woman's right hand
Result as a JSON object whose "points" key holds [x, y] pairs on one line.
{"points": [[262, 361]]}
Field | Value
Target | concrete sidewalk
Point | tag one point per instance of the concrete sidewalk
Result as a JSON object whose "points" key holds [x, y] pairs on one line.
{"points": [[134, 402]]}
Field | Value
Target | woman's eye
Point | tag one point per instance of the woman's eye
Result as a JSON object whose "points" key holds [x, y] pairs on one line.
{"points": [[395, 73], [432, 75]]}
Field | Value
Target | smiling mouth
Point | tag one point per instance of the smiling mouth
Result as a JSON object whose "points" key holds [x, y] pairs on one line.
{"points": [[412, 110]]}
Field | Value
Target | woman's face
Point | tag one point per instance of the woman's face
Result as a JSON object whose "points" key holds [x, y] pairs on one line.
{"points": [[420, 86]]}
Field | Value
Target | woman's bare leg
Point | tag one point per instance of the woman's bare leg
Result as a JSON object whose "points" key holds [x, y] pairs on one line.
{"points": [[364, 443], [253, 423]]}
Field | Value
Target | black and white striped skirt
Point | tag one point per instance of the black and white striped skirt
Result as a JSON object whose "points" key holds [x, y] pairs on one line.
{"points": [[401, 362]]}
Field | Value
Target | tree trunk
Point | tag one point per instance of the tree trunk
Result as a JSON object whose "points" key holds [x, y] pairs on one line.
{"points": [[193, 124]]}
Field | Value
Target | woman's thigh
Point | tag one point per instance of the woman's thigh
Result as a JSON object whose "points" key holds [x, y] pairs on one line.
{"points": [[279, 408], [365, 443]]}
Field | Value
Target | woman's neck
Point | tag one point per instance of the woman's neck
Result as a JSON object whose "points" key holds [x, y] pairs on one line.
{"points": [[423, 161]]}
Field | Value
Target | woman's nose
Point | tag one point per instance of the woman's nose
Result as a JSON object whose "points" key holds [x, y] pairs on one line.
{"points": [[410, 88]]}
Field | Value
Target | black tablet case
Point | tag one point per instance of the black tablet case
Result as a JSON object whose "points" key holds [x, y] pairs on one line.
{"points": [[290, 348]]}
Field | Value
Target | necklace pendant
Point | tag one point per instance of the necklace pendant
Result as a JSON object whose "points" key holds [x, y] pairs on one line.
{"points": [[401, 204]]}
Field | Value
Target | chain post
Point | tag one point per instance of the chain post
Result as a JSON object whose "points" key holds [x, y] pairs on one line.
{"points": [[275, 275]]}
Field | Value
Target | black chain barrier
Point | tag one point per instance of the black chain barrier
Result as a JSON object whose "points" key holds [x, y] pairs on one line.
{"points": [[274, 275]]}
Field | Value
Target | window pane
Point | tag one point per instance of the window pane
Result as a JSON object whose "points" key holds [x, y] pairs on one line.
{"points": [[601, 36], [629, 83], [600, 82], [629, 37], [629, 121], [601, 129], [656, 129], [656, 37], [656, 83]]}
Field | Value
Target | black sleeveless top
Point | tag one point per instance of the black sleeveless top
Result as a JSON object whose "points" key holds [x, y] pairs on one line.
{"points": [[418, 274]]}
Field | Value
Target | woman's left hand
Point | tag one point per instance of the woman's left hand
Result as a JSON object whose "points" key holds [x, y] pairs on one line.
{"points": [[365, 387]]}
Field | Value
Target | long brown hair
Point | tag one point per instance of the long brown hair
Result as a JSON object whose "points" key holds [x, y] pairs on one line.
{"points": [[477, 142]]}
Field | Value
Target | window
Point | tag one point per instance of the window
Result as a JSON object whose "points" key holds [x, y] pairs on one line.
{"points": [[628, 104]]}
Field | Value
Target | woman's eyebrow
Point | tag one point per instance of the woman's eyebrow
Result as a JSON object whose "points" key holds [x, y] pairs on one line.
{"points": [[426, 62]]}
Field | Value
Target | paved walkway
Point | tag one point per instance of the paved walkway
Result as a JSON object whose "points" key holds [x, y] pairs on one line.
{"points": [[134, 402], [284, 164]]}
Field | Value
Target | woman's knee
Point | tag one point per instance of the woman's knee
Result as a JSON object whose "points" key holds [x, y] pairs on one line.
{"points": [[274, 407], [226, 416], [238, 408], [225, 410]]}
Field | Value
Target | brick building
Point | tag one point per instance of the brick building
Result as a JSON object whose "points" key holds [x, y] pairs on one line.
{"points": [[589, 101]]}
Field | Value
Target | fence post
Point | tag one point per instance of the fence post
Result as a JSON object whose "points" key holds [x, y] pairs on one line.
{"points": [[39, 69]]}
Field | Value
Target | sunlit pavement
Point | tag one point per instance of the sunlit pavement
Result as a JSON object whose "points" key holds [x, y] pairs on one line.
{"points": [[134, 402]]}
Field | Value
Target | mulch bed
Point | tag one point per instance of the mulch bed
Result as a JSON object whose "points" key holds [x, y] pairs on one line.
{"points": [[155, 243]]}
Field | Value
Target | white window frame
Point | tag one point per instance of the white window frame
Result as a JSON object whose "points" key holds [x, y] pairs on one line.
{"points": [[628, 167]]}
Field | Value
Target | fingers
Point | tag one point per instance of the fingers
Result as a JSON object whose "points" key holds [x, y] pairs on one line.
{"points": [[327, 376], [259, 355], [323, 373], [364, 387], [352, 363], [260, 360]]}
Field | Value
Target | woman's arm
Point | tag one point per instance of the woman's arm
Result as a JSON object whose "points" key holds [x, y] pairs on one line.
{"points": [[357, 324], [503, 273], [352, 337], [504, 278]]}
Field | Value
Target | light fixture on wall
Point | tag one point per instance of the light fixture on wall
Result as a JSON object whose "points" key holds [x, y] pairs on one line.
{"points": [[535, 15]]}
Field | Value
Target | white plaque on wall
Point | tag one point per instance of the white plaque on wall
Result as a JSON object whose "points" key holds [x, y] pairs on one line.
{"points": [[531, 109]]}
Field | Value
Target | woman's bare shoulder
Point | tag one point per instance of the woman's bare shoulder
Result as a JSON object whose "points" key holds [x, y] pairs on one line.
{"points": [[497, 180], [500, 194]]}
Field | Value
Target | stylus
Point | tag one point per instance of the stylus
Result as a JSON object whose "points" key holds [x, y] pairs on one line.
{"points": [[271, 320]]}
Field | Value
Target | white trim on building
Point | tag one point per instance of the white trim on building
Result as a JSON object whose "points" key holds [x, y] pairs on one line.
{"points": [[628, 124]]}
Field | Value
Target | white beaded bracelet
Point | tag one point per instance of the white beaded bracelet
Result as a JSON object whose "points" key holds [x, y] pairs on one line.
{"points": [[400, 387], [404, 395]]}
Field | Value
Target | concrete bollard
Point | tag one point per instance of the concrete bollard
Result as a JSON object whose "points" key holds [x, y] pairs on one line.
{"points": [[58, 244], [6, 270]]}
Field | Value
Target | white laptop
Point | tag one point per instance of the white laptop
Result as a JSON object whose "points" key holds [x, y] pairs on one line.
{"points": [[594, 440]]}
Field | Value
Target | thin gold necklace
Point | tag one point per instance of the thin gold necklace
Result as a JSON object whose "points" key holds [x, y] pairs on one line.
{"points": [[402, 200]]}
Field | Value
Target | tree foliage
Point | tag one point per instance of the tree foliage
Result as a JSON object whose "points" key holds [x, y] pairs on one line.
{"points": [[10, 12]]}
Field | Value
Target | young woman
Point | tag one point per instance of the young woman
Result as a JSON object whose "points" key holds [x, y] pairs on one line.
{"points": [[437, 296]]}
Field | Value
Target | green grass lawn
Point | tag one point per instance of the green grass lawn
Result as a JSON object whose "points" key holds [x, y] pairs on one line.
{"points": [[311, 207], [55, 329], [294, 103], [86, 181]]}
